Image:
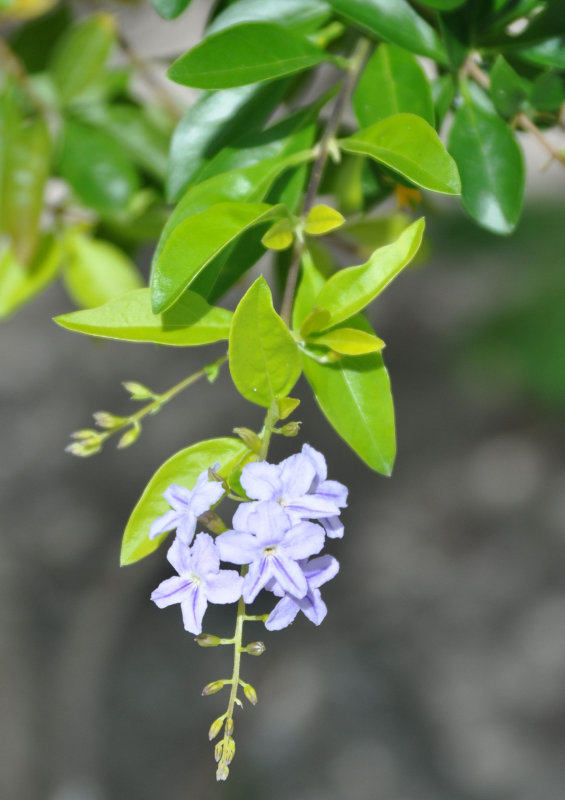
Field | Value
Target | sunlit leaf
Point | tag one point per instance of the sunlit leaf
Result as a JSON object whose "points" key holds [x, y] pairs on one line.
{"points": [[303, 16]]}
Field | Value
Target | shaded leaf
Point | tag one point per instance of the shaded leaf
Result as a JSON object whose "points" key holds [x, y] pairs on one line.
{"points": [[550, 53], [303, 16], [508, 90], [21, 283], [170, 9]]}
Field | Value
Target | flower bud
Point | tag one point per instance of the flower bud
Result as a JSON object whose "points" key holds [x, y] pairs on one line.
{"points": [[250, 693], [291, 429], [85, 433], [229, 726], [129, 437], [222, 772], [229, 750], [218, 750], [215, 728], [213, 687], [83, 449], [138, 391], [250, 438], [255, 649], [106, 420], [207, 640]]}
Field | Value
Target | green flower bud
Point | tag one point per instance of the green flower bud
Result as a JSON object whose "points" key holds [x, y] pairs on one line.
{"points": [[207, 640], [218, 750], [255, 649], [229, 726], [229, 750], [222, 772], [213, 687], [215, 728], [138, 391], [250, 438], [106, 420], [250, 693], [291, 429], [129, 437]]}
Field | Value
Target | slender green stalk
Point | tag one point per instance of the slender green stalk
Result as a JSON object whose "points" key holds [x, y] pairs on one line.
{"points": [[226, 747]]}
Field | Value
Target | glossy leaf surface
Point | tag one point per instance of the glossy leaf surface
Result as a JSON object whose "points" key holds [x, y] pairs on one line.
{"points": [[303, 16], [392, 82], [264, 358], [182, 468], [349, 341], [247, 53], [410, 146], [191, 321], [170, 9], [508, 90]]}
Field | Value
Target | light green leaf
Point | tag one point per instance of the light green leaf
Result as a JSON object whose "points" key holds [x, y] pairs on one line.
{"points": [[193, 244], [392, 82], [322, 219], [410, 146], [508, 90], [98, 168], [170, 9], [443, 5], [191, 321], [303, 16], [310, 283], [246, 53], [491, 167], [81, 53], [96, 271], [182, 468], [280, 236], [353, 288], [264, 358], [355, 396], [20, 283], [349, 341], [395, 22]]}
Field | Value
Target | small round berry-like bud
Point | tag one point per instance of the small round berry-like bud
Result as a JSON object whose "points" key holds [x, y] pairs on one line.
{"points": [[212, 688], [291, 429], [255, 649], [215, 728], [250, 693], [207, 640], [229, 726]]}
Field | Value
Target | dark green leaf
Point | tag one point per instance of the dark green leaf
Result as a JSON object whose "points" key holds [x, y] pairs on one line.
{"points": [[550, 53], [264, 358], [303, 16], [193, 244], [247, 53], [443, 5], [169, 9], [81, 53], [354, 395], [395, 22], [20, 283], [191, 321], [508, 90], [98, 168], [443, 91], [491, 167], [410, 146], [393, 81], [34, 41], [547, 92], [182, 468]]}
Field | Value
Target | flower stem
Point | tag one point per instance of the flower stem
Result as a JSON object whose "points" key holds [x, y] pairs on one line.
{"points": [[226, 748]]}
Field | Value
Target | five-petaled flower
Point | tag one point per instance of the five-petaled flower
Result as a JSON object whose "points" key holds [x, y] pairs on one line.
{"points": [[187, 505], [200, 580], [265, 537], [317, 571]]}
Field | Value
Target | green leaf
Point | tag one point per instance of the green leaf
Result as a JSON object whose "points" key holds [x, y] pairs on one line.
{"points": [[322, 219], [303, 16], [98, 168], [547, 92], [280, 236], [19, 284], [508, 90], [81, 53], [96, 271], [170, 9], [491, 167], [349, 341], [182, 468], [191, 321], [443, 5], [410, 146], [34, 41], [395, 22], [193, 244], [550, 53], [392, 82], [264, 358], [351, 289], [247, 53], [443, 92], [26, 159], [310, 284], [355, 396], [211, 123]]}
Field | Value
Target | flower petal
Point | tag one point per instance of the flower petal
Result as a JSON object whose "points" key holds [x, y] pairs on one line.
{"points": [[178, 497], [333, 490], [313, 607], [261, 481], [224, 587], [318, 461], [168, 522], [238, 547], [282, 614], [320, 570], [258, 576], [297, 476], [241, 516], [269, 522], [179, 556], [173, 590], [333, 527], [205, 557], [303, 540], [193, 608], [186, 527], [312, 506], [205, 496], [289, 575]]}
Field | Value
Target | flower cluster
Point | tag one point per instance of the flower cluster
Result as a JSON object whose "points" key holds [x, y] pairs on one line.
{"points": [[290, 508]]}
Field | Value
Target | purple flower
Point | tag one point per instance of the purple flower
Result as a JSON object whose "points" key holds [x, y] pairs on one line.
{"points": [[265, 538], [200, 581], [317, 571], [331, 490], [187, 505]]}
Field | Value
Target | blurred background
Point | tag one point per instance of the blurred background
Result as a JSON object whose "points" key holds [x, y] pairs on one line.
{"points": [[439, 672]]}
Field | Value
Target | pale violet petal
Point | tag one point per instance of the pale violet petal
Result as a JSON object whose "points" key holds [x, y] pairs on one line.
{"points": [[318, 461], [205, 557], [179, 556], [224, 587], [312, 506], [258, 576], [178, 497], [333, 490], [297, 476], [172, 590], [320, 570], [313, 607], [282, 614], [193, 608], [168, 522], [303, 540], [238, 547], [186, 527], [241, 516], [269, 523], [288, 574], [333, 527], [204, 497], [261, 481]]}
